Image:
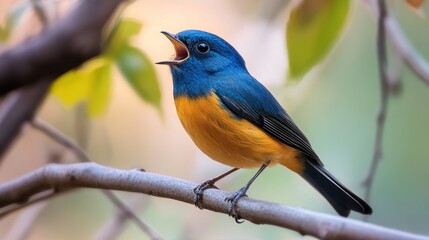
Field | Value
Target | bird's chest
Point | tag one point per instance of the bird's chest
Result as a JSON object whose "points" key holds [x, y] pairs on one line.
{"points": [[224, 138]]}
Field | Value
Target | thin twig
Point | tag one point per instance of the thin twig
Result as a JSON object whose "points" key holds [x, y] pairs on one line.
{"points": [[410, 56], [128, 212], [60, 138], [80, 154], [25, 222], [383, 69], [29, 201], [116, 224], [402, 45], [40, 12], [92, 175]]}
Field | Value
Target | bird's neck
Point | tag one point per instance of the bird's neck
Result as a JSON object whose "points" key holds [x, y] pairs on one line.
{"points": [[192, 83], [189, 83]]}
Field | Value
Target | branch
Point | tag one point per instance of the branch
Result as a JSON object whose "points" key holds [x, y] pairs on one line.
{"points": [[92, 175], [127, 212], [115, 226], [60, 138], [39, 197], [25, 222], [402, 45], [38, 61], [384, 80], [12, 116], [40, 12], [82, 156], [410, 56], [17, 108], [58, 48]]}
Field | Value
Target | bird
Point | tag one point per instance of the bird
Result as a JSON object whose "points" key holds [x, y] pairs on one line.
{"points": [[236, 121]]}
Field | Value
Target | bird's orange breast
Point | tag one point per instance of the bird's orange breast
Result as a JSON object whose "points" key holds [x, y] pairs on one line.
{"points": [[229, 140]]}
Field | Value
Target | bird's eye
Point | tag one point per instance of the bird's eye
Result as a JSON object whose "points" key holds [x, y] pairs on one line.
{"points": [[203, 47]]}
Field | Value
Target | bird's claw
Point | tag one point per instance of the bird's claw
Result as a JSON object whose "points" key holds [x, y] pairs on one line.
{"points": [[198, 198], [233, 199]]}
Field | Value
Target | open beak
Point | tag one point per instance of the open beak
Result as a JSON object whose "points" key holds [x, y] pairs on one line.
{"points": [[182, 52]]}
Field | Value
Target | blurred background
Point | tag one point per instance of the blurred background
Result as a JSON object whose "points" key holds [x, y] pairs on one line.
{"points": [[335, 105]]}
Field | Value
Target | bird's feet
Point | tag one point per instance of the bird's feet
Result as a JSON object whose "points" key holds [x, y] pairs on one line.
{"points": [[199, 192], [233, 199]]}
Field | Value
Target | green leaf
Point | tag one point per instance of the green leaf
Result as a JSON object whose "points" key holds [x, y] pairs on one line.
{"points": [[72, 87], [312, 29], [140, 74], [89, 83], [121, 34], [99, 93]]}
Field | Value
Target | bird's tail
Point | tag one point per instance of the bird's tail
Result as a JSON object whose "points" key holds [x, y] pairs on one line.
{"points": [[342, 199]]}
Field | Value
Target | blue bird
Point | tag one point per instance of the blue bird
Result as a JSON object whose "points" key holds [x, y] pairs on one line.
{"points": [[235, 120]]}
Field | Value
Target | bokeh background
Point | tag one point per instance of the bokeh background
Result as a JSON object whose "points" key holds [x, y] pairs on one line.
{"points": [[335, 105]]}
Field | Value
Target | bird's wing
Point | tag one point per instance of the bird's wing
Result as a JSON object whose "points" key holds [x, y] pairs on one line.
{"points": [[279, 126]]}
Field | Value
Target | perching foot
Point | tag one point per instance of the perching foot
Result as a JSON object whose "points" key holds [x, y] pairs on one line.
{"points": [[233, 199], [198, 198]]}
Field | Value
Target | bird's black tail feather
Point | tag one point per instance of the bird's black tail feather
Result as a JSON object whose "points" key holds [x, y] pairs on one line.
{"points": [[342, 199]]}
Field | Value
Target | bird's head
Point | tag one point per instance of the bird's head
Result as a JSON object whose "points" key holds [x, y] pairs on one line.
{"points": [[202, 53]]}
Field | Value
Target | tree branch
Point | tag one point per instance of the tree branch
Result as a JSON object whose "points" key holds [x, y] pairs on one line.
{"points": [[402, 45], [92, 175], [59, 47], [82, 156], [126, 212], [115, 226], [40, 12], [17, 108], [39, 197], [384, 82], [25, 222], [38, 61], [414, 61], [60, 138]]}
